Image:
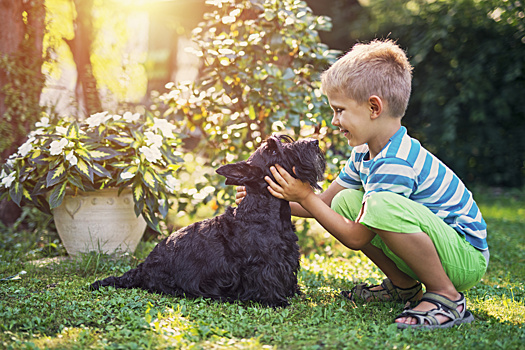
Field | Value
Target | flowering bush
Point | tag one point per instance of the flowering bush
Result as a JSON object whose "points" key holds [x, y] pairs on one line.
{"points": [[107, 150]]}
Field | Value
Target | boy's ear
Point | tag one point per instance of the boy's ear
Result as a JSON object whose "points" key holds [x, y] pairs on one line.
{"points": [[240, 173], [376, 106]]}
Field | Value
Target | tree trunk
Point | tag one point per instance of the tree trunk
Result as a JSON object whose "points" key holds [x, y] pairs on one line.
{"points": [[21, 79], [86, 88], [12, 30]]}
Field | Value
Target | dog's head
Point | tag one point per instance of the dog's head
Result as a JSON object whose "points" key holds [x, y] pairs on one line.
{"points": [[303, 155]]}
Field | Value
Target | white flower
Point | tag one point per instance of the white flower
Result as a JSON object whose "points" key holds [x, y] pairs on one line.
{"points": [[11, 160], [153, 139], [44, 122], [152, 153], [172, 183], [165, 127], [129, 117], [228, 19], [127, 175], [26, 147], [58, 146], [8, 180], [161, 202], [61, 130], [73, 160], [116, 117], [97, 118]]}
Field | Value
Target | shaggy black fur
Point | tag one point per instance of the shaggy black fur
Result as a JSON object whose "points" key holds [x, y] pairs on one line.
{"points": [[247, 253]]}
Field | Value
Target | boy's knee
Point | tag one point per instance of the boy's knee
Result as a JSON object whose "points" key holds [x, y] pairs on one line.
{"points": [[380, 202], [347, 203]]}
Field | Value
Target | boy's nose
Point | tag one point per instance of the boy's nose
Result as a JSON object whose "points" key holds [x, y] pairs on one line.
{"points": [[335, 120]]}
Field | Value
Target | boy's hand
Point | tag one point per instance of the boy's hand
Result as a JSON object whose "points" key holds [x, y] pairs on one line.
{"points": [[241, 193], [288, 187]]}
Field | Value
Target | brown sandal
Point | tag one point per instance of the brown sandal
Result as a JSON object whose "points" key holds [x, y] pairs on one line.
{"points": [[390, 292]]}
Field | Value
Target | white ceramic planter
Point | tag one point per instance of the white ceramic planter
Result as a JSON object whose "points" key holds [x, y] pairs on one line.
{"points": [[99, 221]]}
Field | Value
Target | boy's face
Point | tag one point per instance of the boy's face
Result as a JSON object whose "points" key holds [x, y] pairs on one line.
{"points": [[353, 119]]}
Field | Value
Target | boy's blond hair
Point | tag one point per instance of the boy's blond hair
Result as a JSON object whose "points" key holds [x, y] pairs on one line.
{"points": [[379, 68]]}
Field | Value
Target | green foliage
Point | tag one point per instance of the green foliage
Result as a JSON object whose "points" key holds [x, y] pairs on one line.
{"points": [[51, 307], [106, 151], [468, 83], [262, 60]]}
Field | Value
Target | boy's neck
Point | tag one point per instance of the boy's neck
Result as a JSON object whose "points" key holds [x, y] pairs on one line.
{"points": [[383, 136]]}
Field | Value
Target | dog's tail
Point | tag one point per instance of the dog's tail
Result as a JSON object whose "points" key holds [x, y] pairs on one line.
{"points": [[130, 279]]}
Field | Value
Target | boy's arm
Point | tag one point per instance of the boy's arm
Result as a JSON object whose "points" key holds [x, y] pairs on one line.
{"points": [[326, 197], [351, 234]]}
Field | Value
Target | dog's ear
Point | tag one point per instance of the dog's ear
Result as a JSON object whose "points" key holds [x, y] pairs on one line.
{"points": [[240, 173], [273, 144]]}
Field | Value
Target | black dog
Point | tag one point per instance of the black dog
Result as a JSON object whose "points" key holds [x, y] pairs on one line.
{"points": [[248, 253]]}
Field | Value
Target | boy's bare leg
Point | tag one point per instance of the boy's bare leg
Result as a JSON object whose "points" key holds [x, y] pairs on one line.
{"points": [[398, 277], [419, 253]]}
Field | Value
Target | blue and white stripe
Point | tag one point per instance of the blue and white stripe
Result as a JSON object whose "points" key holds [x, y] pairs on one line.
{"points": [[407, 168]]}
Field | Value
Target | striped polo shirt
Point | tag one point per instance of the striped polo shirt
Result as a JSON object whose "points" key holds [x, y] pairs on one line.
{"points": [[404, 167]]}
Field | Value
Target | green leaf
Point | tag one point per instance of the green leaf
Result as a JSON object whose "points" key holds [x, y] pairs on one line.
{"points": [[26, 195], [288, 74], [163, 205], [85, 169], [56, 175], [138, 197], [102, 153], [56, 196], [99, 170], [152, 202], [251, 113], [130, 169], [16, 192], [73, 131], [41, 204], [41, 158], [149, 180], [121, 140], [120, 165], [40, 187], [83, 153], [152, 221], [138, 192], [35, 154], [76, 181]]}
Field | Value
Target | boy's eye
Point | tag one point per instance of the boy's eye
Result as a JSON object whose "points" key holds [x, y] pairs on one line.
{"points": [[338, 110]]}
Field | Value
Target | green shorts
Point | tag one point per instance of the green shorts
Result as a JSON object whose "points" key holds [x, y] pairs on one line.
{"points": [[463, 264]]}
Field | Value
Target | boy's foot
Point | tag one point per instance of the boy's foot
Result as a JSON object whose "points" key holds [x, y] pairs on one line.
{"points": [[435, 311], [386, 291]]}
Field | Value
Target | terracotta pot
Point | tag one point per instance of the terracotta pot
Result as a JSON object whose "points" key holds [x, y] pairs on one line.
{"points": [[100, 221]]}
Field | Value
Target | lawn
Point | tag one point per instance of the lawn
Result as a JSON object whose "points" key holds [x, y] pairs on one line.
{"points": [[50, 307]]}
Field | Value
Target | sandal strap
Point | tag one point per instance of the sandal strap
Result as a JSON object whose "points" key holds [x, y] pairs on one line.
{"points": [[444, 307], [401, 294], [446, 304], [390, 292]]}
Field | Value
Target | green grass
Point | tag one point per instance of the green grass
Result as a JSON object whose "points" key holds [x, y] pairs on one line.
{"points": [[51, 307]]}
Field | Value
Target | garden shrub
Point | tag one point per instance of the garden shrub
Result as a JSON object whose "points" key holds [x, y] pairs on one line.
{"points": [[262, 60]]}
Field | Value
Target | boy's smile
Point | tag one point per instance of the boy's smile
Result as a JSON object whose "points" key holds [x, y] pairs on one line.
{"points": [[352, 119]]}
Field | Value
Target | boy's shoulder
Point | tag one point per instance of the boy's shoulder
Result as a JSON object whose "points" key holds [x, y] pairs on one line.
{"points": [[404, 147]]}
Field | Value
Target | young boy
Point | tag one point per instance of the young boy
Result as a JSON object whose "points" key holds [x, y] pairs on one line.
{"points": [[394, 201]]}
